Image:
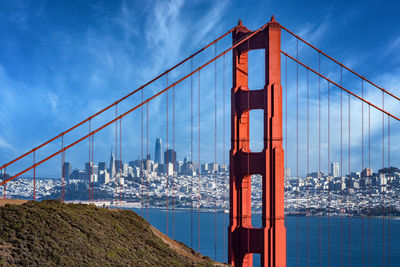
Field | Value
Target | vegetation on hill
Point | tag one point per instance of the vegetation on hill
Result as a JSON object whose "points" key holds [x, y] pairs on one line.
{"points": [[50, 233]]}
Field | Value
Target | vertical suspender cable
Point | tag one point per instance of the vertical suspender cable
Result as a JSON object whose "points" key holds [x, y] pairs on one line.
{"points": [[383, 180], [174, 160], [147, 165], [341, 169], [34, 175], [116, 155], [141, 158], [348, 197], [4, 187], [297, 150], [120, 160], [62, 170], [223, 157], [319, 154], [248, 145], [90, 163], [166, 161], [307, 176], [370, 196], [390, 189], [191, 154], [329, 181], [286, 117], [199, 164], [215, 151], [92, 166], [362, 172]]}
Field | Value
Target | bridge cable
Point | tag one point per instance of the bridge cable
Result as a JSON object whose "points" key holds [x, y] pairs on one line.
{"points": [[93, 167], [341, 169], [130, 110], [167, 161], [390, 195], [362, 172], [116, 156], [174, 162], [319, 154], [342, 88], [370, 181], [199, 164], [215, 150], [297, 153], [4, 186], [340, 64], [141, 158], [383, 180], [90, 163], [123, 98], [350, 180], [329, 177], [34, 176], [248, 146], [62, 172], [191, 154], [286, 122], [307, 176], [146, 161], [223, 157], [120, 161]]}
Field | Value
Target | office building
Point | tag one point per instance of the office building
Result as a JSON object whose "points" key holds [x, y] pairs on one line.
{"points": [[112, 165], [158, 152], [335, 169], [102, 166], [67, 170], [169, 156]]}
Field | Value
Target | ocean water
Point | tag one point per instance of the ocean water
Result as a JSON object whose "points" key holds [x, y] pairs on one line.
{"points": [[340, 243]]}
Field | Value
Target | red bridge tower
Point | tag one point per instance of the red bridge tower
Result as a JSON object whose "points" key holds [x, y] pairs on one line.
{"points": [[270, 239]]}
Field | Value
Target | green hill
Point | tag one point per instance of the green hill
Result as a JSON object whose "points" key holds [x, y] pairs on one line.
{"points": [[50, 233]]}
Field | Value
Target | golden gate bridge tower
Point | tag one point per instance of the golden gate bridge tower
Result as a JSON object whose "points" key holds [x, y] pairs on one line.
{"points": [[244, 239]]}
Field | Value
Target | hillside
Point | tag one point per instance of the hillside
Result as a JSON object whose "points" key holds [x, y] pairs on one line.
{"points": [[50, 233]]}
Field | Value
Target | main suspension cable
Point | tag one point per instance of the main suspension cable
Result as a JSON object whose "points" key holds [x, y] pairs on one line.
{"points": [[340, 64], [344, 89], [125, 97], [139, 105]]}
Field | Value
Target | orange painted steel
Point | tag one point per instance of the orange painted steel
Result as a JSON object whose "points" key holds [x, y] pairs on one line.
{"points": [[340, 64], [116, 102], [128, 111], [243, 238], [341, 87]]}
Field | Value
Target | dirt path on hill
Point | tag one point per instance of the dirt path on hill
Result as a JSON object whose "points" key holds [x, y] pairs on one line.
{"points": [[12, 201]]}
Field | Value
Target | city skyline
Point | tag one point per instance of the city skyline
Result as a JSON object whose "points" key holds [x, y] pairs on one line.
{"points": [[59, 102]]}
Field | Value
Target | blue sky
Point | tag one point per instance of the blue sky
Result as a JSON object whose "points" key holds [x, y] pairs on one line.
{"points": [[61, 61]]}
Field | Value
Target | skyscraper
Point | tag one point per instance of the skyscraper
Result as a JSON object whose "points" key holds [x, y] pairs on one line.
{"points": [[158, 157], [169, 156], [112, 165], [335, 169], [67, 170], [102, 166]]}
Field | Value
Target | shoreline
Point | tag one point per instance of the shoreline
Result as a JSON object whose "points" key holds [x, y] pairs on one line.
{"points": [[137, 205]]}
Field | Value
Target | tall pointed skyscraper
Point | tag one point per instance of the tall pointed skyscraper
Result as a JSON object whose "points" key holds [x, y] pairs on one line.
{"points": [[112, 164], [158, 157]]}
